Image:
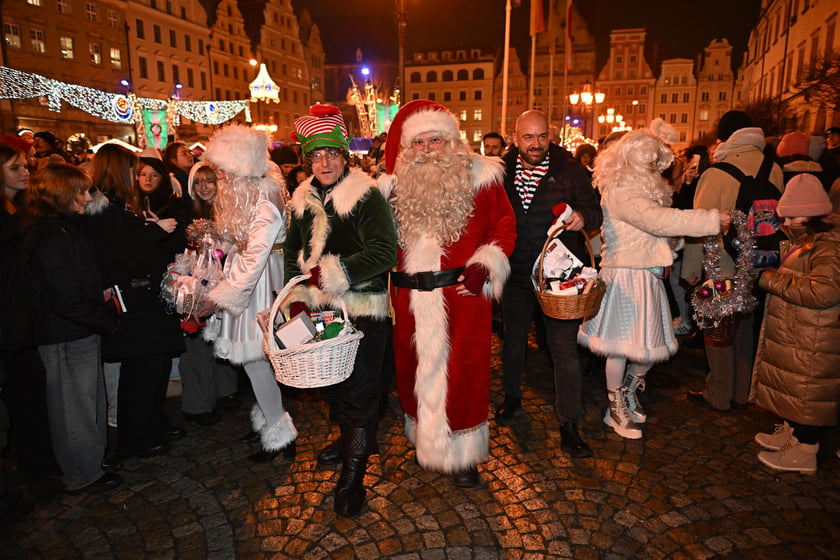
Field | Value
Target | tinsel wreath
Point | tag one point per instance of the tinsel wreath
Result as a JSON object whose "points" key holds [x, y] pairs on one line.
{"points": [[719, 298], [198, 229]]}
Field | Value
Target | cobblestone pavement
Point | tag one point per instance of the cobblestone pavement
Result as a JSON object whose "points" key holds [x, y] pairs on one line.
{"points": [[692, 488]]}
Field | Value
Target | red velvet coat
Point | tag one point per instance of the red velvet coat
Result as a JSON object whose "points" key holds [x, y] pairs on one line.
{"points": [[442, 340]]}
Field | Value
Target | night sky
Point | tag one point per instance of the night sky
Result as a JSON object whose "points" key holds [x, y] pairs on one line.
{"points": [[680, 29]]}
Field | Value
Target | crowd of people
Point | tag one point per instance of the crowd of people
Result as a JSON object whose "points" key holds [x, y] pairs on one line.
{"points": [[424, 243]]}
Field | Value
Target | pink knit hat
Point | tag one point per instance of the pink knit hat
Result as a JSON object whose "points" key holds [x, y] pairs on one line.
{"points": [[793, 144], [804, 197]]}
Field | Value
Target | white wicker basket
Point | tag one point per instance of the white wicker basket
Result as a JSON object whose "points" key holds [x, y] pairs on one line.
{"points": [[316, 364]]}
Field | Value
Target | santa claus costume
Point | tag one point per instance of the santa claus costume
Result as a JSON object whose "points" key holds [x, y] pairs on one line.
{"points": [[442, 339]]}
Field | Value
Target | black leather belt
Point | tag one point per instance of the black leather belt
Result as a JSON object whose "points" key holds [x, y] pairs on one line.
{"points": [[426, 281]]}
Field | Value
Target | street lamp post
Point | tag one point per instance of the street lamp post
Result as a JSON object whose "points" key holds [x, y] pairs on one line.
{"points": [[401, 22], [587, 99]]}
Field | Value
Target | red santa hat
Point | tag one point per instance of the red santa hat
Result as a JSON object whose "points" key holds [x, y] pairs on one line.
{"points": [[413, 119]]}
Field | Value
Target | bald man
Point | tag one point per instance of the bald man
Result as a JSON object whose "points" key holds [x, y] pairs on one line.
{"points": [[541, 175]]}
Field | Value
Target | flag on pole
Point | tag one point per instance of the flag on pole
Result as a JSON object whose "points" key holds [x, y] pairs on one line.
{"points": [[537, 17], [569, 37]]}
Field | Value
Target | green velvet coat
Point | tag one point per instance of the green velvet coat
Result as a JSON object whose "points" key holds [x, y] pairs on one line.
{"points": [[351, 237]]}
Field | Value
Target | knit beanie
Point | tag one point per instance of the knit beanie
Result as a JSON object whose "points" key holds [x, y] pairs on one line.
{"points": [[793, 144], [47, 137], [804, 196], [730, 122]]}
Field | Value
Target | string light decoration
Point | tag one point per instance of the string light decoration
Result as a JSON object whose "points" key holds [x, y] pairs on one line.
{"points": [[114, 107], [719, 298]]}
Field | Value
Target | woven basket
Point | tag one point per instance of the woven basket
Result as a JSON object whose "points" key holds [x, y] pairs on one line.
{"points": [[581, 306], [723, 334], [316, 364]]}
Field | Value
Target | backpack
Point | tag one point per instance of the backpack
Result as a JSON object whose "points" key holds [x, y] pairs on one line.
{"points": [[758, 199]]}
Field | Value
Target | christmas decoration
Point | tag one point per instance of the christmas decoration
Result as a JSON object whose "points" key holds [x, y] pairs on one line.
{"points": [[114, 107], [719, 298]]}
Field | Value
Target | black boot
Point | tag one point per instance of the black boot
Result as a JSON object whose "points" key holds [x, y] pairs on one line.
{"points": [[571, 443], [330, 454], [356, 445], [262, 456]]}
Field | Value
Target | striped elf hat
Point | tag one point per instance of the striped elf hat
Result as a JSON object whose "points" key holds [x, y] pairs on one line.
{"points": [[323, 128]]}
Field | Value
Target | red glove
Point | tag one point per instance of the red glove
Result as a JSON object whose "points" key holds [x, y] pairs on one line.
{"points": [[298, 307], [315, 276], [474, 276]]}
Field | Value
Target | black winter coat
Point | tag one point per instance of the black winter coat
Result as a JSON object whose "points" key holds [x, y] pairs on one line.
{"points": [[134, 255], [66, 283], [566, 181]]}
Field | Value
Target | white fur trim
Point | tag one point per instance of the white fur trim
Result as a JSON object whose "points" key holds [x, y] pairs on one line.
{"points": [[354, 188], [386, 183], [497, 264], [238, 352], [278, 435], [485, 171], [333, 278], [465, 449], [257, 418], [603, 347], [240, 150], [229, 298], [428, 120], [433, 345], [98, 204]]}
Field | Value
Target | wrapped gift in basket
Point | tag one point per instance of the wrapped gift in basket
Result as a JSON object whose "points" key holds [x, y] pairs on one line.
{"points": [[565, 288], [318, 362], [719, 301]]}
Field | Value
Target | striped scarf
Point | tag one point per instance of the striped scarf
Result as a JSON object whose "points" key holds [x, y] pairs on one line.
{"points": [[526, 180]]}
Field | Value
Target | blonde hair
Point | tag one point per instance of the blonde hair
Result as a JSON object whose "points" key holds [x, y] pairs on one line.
{"points": [[636, 160]]}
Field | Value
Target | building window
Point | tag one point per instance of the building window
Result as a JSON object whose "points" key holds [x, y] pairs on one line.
{"points": [[156, 30], [642, 108], [477, 114], [477, 95], [619, 59], [722, 96], [216, 70], [617, 91], [686, 97], [203, 77], [478, 74], [477, 136], [462, 114], [201, 47], [161, 71], [663, 98], [66, 44], [113, 19], [12, 33], [190, 78], [431, 96], [462, 96], [144, 69], [463, 75], [618, 74], [90, 10], [675, 98], [431, 76], [447, 96], [187, 43], [176, 74], [173, 39], [33, 2], [632, 58], [138, 24], [95, 53], [703, 115], [704, 96], [116, 58], [672, 118], [447, 76], [225, 70], [39, 44], [684, 118], [631, 73], [415, 96], [415, 77], [63, 6]]}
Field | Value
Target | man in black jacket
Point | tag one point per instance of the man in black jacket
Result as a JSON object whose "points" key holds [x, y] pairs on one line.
{"points": [[540, 176]]}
